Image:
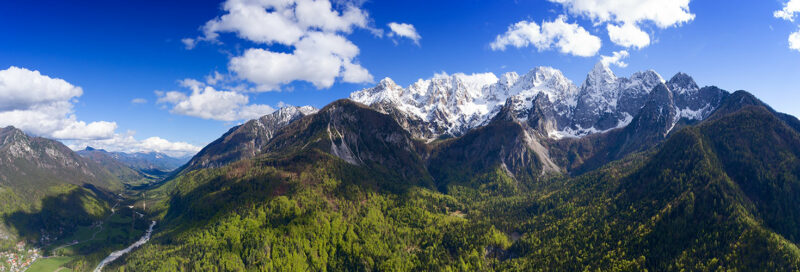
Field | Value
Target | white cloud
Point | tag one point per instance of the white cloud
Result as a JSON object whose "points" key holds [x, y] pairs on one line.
{"points": [[208, 103], [663, 13], [404, 30], [170, 97], [189, 43], [81, 130], [21, 88], [43, 106], [214, 78], [628, 35], [568, 38], [615, 59], [794, 41], [631, 14], [318, 58], [127, 143], [313, 30], [170, 148], [138, 101], [789, 11]]}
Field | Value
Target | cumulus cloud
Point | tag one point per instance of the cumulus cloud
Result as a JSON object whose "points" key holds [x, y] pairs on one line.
{"points": [[404, 30], [313, 30], [794, 41], [21, 88], [630, 14], [628, 35], [615, 59], [318, 58], [208, 103], [789, 11], [569, 38], [189, 43], [43, 106], [215, 78], [128, 143], [138, 101]]}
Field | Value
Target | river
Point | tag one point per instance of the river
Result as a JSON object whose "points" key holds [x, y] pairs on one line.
{"points": [[116, 254]]}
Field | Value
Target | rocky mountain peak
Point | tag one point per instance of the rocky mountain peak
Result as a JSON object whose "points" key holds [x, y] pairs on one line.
{"points": [[660, 95], [600, 75], [508, 79], [9, 134], [246, 140], [681, 83], [387, 82]]}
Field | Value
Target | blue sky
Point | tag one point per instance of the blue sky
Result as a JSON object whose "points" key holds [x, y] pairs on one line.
{"points": [[118, 51]]}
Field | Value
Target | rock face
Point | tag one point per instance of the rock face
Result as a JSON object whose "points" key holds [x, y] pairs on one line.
{"points": [[361, 137], [691, 101], [246, 140], [451, 105], [606, 101]]}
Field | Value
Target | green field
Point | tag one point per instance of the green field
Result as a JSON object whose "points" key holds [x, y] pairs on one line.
{"points": [[50, 264]]}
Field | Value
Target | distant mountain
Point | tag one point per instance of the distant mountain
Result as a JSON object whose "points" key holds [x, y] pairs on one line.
{"points": [[142, 161], [124, 172], [150, 160]]}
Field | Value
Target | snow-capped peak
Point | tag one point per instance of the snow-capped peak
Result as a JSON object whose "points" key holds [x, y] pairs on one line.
{"points": [[452, 104], [508, 79], [601, 74], [681, 83], [283, 116]]}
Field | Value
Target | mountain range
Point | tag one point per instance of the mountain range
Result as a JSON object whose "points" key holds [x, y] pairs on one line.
{"points": [[134, 167], [452, 105], [479, 172], [476, 172]]}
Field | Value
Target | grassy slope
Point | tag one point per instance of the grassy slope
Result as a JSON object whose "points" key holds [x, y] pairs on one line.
{"points": [[50, 264]]}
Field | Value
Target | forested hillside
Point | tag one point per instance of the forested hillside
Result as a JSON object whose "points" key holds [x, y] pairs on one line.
{"points": [[718, 195]]}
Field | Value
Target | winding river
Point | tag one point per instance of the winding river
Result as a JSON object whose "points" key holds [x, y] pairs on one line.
{"points": [[116, 254]]}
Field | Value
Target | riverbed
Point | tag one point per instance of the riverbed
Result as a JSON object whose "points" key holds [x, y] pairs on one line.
{"points": [[116, 254]]}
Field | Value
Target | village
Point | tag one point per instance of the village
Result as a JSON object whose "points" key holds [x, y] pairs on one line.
{"points": [[18, 258]]}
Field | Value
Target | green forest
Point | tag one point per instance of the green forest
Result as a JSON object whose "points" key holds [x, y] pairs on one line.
{"points": [[714, 197]]}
